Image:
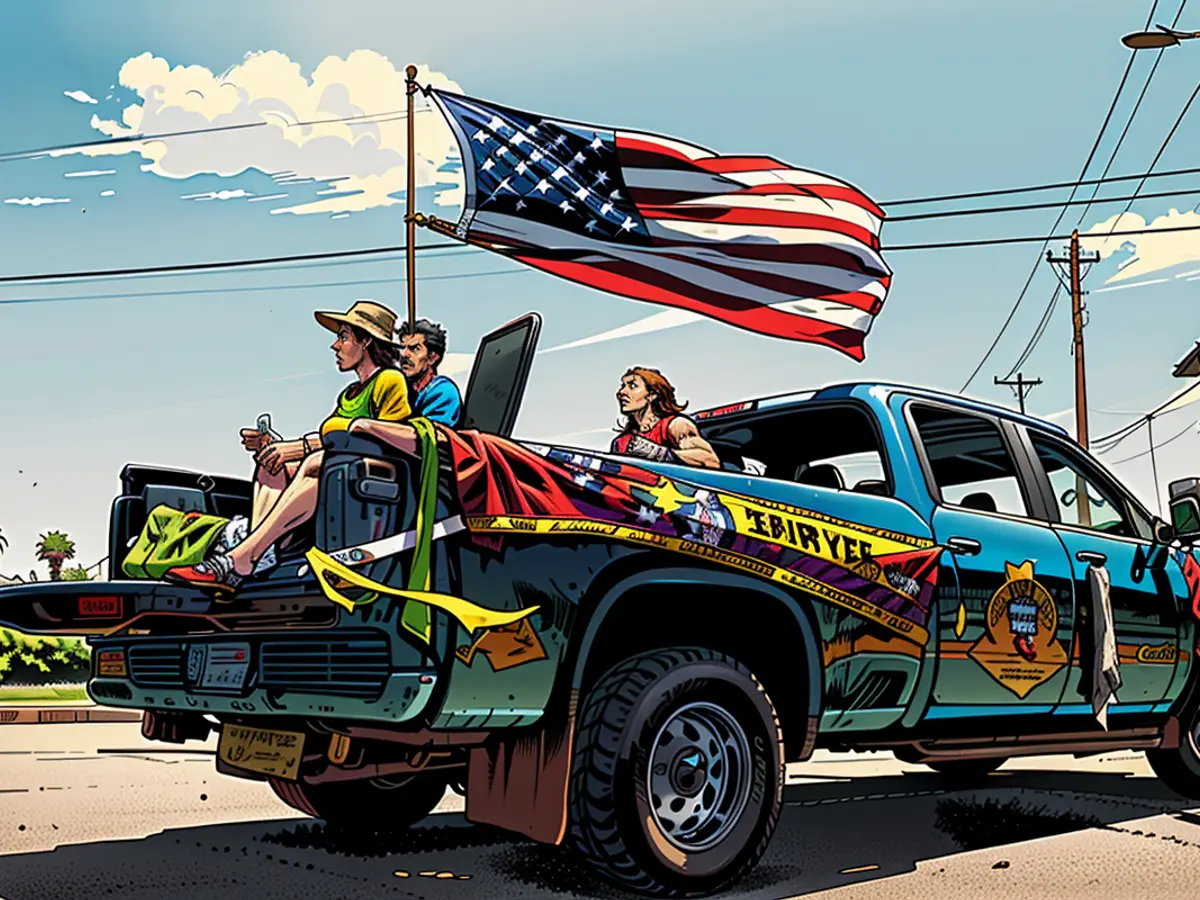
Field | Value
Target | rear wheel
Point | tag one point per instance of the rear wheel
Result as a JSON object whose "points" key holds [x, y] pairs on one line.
{"points": [[368, 805], [677, 776], [1179, 769]]}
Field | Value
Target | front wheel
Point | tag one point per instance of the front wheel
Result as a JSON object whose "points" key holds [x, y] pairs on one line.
{"points": [[677, 778], [369, 805], [1179, 769]]}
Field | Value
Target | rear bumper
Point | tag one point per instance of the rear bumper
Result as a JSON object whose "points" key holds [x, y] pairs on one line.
{"points": [[336, 674]]}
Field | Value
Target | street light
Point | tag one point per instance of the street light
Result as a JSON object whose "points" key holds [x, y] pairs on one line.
{"points": [[1164, 37]]}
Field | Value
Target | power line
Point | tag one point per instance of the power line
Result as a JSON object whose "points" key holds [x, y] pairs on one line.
{"points": [[1040, 330], [986, 210], [1082, 172], [1157, 156], [252, 289], [1154, 446], [1033, 239], [366, 119], [379, 251], [1132, 115], [223, 264]]}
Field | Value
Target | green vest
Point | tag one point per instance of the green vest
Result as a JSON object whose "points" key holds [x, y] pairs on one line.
{"points": [[360, 405]]}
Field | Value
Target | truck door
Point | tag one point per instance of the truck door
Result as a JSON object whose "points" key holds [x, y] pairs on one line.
{"points": [[1005, 590], [1099, 522]]}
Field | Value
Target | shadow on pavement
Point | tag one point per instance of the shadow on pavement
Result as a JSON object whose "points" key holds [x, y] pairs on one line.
{"points": [[880, 825]]}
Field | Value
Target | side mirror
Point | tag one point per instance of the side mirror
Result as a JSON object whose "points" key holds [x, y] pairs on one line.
{"points": [[1185, 509]]}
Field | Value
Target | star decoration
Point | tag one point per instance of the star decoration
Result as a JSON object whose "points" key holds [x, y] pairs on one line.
{"points": [[668, 498]]}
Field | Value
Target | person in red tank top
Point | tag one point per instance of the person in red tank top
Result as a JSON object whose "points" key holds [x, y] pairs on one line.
{"points": [[655, 427]]}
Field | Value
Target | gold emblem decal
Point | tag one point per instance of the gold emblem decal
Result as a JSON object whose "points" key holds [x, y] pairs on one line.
{"points": [[1020, 647], [1163, 654]]}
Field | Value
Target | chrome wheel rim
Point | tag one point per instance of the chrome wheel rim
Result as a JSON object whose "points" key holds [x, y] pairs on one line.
{"points": [[699, 775]]}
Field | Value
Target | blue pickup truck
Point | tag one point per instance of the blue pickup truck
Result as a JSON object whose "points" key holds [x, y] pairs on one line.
{"points": [[873, 567]]}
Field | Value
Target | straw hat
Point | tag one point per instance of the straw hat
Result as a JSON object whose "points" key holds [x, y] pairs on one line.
{"points": [[373, 318]]}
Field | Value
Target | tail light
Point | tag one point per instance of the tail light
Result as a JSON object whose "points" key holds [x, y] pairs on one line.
{"points": [[111, 663]]}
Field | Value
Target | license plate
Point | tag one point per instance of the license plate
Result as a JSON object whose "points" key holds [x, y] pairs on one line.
{"points": [[275, 753], [218, 667]]}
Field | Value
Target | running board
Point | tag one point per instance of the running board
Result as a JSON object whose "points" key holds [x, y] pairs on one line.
{"points": [[1164, 738]]}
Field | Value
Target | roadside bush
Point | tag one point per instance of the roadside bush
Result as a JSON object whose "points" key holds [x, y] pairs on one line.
{"points": [[27, 659]]}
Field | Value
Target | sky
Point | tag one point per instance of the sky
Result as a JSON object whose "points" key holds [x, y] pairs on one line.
{"points": [[918, 99]]}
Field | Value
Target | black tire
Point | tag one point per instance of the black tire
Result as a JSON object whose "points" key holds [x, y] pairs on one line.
{"points": [[1179, 769], [728, 781], [368, 805], [966, 769]]}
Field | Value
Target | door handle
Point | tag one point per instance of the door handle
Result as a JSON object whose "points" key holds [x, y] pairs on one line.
{"points": [[962, 546], [1091, 557]]}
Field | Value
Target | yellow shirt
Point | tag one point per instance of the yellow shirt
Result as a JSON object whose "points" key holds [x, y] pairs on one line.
{"points": [[383, 397]]}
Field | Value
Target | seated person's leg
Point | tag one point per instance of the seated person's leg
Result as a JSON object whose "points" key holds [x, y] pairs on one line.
{"points": [[269, 488], [296, 505]]}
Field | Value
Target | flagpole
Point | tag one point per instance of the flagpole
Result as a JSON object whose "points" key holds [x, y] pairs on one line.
{"points": [[410, 223]]}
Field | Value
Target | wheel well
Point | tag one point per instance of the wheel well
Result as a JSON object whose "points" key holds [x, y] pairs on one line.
{"points": [[770, 634]]}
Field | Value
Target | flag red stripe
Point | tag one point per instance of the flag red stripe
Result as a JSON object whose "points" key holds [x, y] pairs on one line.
{"points": [[723, 164], [625, 142], [731, 310], [770, 218], [800, 254]]}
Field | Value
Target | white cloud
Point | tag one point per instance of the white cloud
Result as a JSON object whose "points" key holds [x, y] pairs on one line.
{"points": [[80, 96], [217, 195], [90, 173], [266, 197], [270, 90], [107, 193], [37, 201], [671, 318], [1149, 252], [456, 364]]}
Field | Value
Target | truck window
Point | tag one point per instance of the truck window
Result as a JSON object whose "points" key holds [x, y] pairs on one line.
{"points": [[1083, 496], [969, 461], [831, 445]]}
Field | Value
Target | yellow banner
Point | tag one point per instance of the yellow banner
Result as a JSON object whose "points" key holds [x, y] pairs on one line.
{"points": [[536, 525], [471, 616]]}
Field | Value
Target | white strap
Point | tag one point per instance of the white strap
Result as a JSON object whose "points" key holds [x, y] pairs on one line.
{"points": [[397, 543]]}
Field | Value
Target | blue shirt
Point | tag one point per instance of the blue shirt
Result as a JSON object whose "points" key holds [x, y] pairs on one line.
{"points": [[439, 401]]}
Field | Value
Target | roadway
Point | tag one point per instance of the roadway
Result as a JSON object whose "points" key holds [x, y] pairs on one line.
{"points": [[93, 810]]}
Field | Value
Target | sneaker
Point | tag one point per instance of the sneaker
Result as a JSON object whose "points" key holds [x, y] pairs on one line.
{"points": [[214, 572]]}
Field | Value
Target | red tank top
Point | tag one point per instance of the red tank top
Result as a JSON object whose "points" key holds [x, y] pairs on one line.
{"points": [[659, 433]]}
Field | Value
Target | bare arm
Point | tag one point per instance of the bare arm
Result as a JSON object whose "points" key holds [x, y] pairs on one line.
{"points": [[689, 446]]}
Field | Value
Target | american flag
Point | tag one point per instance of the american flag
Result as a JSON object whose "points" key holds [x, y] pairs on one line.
{"points": [[748, 240]]}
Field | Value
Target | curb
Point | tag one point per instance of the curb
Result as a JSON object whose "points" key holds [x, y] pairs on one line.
{"points": [[46, 715]]}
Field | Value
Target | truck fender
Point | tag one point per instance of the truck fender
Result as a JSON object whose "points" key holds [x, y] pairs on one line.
{"points": [[680, 576]]}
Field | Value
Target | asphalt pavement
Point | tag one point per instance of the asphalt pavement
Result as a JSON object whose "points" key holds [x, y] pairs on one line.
{"points": [[93, 810]]}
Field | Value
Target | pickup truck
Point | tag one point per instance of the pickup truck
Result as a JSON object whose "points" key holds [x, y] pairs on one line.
{"points": [[873, 567]]}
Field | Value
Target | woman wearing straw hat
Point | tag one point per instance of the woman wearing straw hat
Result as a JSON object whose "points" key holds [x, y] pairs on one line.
{"points": [[285, 492]]}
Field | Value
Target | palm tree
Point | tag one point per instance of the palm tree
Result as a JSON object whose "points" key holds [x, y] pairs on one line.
{"points": [[55, 548], [3, 541], [75, 573]]}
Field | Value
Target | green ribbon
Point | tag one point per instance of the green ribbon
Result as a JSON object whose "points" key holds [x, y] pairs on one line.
{"points": [[416, 616]]}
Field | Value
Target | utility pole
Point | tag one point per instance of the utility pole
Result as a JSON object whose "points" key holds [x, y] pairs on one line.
{"points": [[1081, 423], [1073, 260], [1021, 385]]}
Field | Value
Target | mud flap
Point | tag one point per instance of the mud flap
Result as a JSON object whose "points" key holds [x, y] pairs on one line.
{"points": [[519, 782]]}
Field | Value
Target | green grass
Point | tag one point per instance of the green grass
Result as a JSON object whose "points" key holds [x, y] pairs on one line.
{"points": [[32, 693]]}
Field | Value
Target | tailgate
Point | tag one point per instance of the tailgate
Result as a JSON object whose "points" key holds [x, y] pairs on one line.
{"points": [[92, 607]]}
